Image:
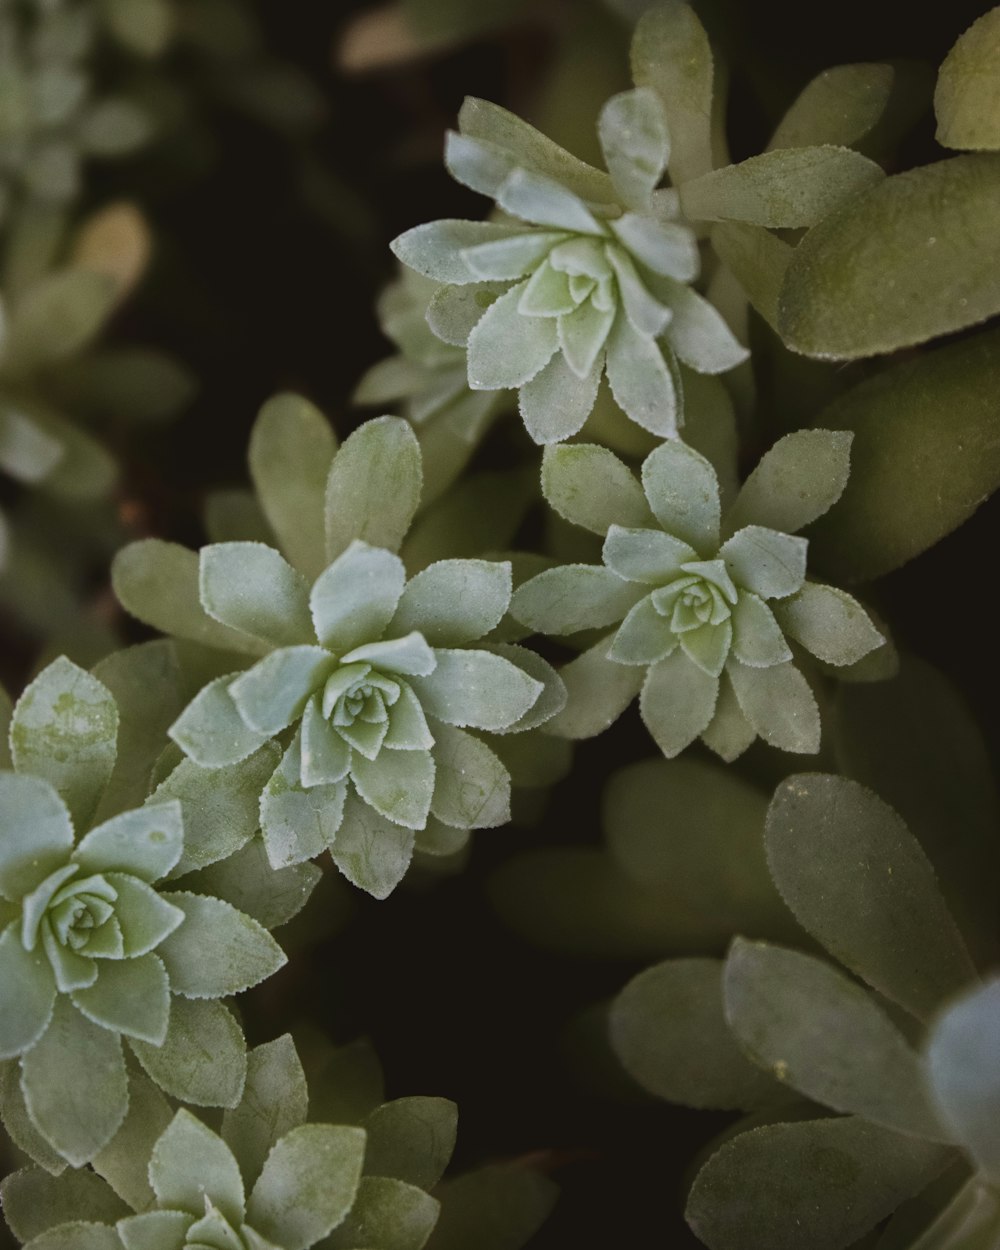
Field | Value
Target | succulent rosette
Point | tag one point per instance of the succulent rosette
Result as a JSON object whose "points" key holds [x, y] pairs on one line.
{"points": [[708, 601], [371, 682], [588, 274], [96, 947]]}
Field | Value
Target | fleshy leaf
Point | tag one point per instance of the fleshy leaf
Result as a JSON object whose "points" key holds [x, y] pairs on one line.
{"points": [[65, 728], [856, 878], [683, 492], [841, 106], [476, 690], [771, 564], [145, 843], [36, 834], [124, 1161], [829, 623], [27, 993], [274, 693], [499, 1207], [203, 1059], [371, 852], [211, 731], [699, 335], [800, 478], [635, 144], [507, 349], [758, 259], [573, 597], [757, 637], [190, 1163], [591, 487], [641, 380], [544, 202], [308, 1184], [298, 823], [649, 556], [217, 950], [668, 1029], [353, 600], [967, 96], [455, 601], [397, 784], [78, 1235], [275, 1100], [471, 787], [411, 1139], [779, 704], [374, 486], [437, 248], [556, 402], [251, 588], [677, 702], [130, 996], [551, 699], [271, 896], [35, 1202], [388, 1213], [598, 691], [825, 1036]]}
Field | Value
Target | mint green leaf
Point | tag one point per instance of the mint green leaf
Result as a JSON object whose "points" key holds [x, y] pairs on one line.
{"points": [[698, 334], [374, 486], [156, 1230], [829, 623], [857, 880], [899, 265], [668, 1030], [641, 380], [551, 699], [36, 834], [824, 1035], [665, 247], [730, 733], [211, 730], [437, 249], [64, 728], [790, 187], [771, 564], [298, 823], [410, 656], [964, 1073], [130, 996], [411, 1139], [913, 478], [371, 852], [308, 1184], [78, 1235], [271, 896], [967, 96], [572, 597], [582, 334], [455, 601], [389, 1214], [27, 993], [683, 492], [35, 1202], [648, 556], [504, 260], [251, 588], [677, 702], [145, 917], [124, 1161], [499, 1207], [708, 647], [589, 486], [841, 105], [326, 757], [354, 599], [800, 478], [74, 1084], [821, 1184], [647, 313], [275, 1100], [454, 312], [476, 690], [643, 637], [274, 693], [757, 638], [471, 786], [635, 144], [291, 449], [203, 1059], [779, 704], [598, 691], [217, 950], [398, 784], [190, 1163], [556, 402], [157, 582], [145, 843], [543, 201], [507, 348], [671, 54]]}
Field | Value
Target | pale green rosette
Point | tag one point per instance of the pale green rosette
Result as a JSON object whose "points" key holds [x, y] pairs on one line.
{"points": [[709, 602], [589, 273], [375, 686], [96, 947]]}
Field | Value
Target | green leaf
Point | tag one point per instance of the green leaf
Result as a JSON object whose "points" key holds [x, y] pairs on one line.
{"points": [[371, 852], [635, 144], [6, 711], [217, 950], [275, 1100], [397, 784], [271, 896], [452, 602], [155, 1230], [437, 248], [779, 704], [683, 492], [211, 730], [668, 1030], [765, 561], [57, 317], [27, 993], [800, 478], [78, 1235], [821, 1184], [913, 477], [203, 1059], [389, 1214], [857, 880], [35, 1202], [471, 786], [758, 259], [157, 582], [499, 1207], [543, 201], [641, 380], [964, 1073], [677, 702], [598, 691], [291, 449], [65, 728], [144, 916], [19, 1125], [411, 1139], [36, 834], [550, 701], [648, 556], [454, 311], [353, 600], [308, 1184], [897, 266], [758, 640], [589, 486], [190, 1164], [829, 623], [841, 105], [818, 1031], [473, 689], [556, 403], [346, 1083], [671, 54], [145, 843], [251, 588], [74, 1084], [298, 823], [967, 96], [574, 597], [505, 259], [788, 188], [130, 996], [506, 348], [698, 334], [374, 486], [274, 693], [124, 1161]]}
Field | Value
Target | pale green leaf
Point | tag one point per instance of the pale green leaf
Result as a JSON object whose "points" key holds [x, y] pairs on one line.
{"points": [[677, 702], [758, 259], [353, 600], [641, 380], [250, 587], [217, 950], [683, 492], [471, 786], [635, 144], [591, 487], [598, 692], [27, 995], [374, 486], [499, 1207], [779, 705], [839, 106], [130, 996], [19, 1126], [411, 1139], [190, 1164], [758, 640], [697, 333], [371, 852], [77, 1235], [397, 784], [455, 311], [298, 823], [275, 1100], [506, 348], [455, 601], [437, 249], [967, 96], [36, 833], [476, 690], [829, 623], [666, 247], [556, 402], [551, 699], [573, 597], [542, 201], [124, 1161], [211, 730], [801, 477], [505, 259], [274, 693], [389, 1214], [145, 843], [35, 1202], [203, 1059], [272, 896], [766, 561]]}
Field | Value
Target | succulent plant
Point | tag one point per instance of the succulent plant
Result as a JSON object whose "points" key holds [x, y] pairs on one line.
{"points": [[705, 623]]}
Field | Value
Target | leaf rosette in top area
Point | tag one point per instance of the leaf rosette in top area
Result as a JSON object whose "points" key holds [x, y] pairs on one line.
{"points": [[707, 603], [589, 272], [371, 682]]}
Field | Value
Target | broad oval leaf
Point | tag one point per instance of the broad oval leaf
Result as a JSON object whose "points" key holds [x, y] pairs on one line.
{"points": [[841, 105], [967, 96]]}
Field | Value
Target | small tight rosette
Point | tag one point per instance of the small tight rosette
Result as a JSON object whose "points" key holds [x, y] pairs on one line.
{"points": [[371, 683], [589, 272], [94, 948], [707, 601]]}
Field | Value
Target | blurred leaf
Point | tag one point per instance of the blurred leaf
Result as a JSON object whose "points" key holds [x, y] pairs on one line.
{"points": [[840, 106], [494, 1208], [967, 97]]}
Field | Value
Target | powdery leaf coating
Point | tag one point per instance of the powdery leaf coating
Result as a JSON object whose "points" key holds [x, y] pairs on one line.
{"points": [[203, 1059], [454, 602], [411, 1139], [373, 488], [967, 96], [387, 1213], [373, 853], [591, 487], [801, 477], [840, 106], [217, 950], [35, 1202], [190, 1163], [275, 1100], [251, 588]]}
